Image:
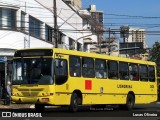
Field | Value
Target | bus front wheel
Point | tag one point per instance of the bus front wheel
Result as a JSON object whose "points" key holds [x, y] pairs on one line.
{"points": [[74, 103], [39, 107]]}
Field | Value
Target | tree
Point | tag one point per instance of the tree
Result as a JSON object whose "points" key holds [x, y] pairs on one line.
{"points": [[155, 56]]}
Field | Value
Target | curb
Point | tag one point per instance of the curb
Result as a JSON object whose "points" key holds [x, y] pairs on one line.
{"points": [[15, 106], [21, 106]]}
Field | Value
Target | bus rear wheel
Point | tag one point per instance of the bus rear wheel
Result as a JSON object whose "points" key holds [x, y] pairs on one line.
{"points": [[130, 101], [39, 107], [74, 103]]}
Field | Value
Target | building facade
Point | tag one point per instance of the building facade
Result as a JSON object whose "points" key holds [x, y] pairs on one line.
{"points": [[137, 35], [77, 3], [30, 24], [98, 24]]}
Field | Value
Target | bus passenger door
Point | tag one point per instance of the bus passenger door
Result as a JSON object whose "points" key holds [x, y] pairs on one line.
{"points": [[61, 77]]}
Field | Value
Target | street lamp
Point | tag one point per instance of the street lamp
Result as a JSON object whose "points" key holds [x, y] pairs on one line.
{"points": [[76, 41]]}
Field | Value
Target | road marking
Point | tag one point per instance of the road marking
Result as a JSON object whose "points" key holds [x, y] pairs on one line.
{"points": [[158, 102]]}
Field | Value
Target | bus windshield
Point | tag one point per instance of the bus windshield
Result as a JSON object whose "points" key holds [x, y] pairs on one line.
{"points": [[32, 71]]}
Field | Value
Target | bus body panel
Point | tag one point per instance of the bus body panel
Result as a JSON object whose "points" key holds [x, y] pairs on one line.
{"points": [[33, 94], [93, 90]]}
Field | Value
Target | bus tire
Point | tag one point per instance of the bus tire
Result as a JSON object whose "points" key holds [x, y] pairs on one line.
{"points": [[130, 101], [39, 107], [74, 103]]}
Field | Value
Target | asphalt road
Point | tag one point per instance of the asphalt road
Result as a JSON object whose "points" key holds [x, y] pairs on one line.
{"points": [[144, 112]]}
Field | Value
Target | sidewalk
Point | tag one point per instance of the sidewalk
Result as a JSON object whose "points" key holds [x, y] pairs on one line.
{"points": [[16, 106]]}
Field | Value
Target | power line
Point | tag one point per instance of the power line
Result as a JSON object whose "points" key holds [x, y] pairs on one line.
{"points": [[104, 18], [148, 17], [85, 31], [147, 25], [123, 18], [106, 14], [105, 24]]}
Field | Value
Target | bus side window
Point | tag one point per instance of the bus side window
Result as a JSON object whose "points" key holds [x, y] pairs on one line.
{"points": [[100, 68], [133, 72], [112, 69], [143, 72], [75, 66], [88, 67], [123, 71]]}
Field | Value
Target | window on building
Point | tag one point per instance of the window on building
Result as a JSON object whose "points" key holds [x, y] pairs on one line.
{"points": [[7, 18], [23, 21], [88, 67], [60, 36], [71, 44], [85, 47], [143, 72], [123, 71], [100, 18], [34, 27], [133, 72], [93, 15], [151, 72], [112, 69], [75, 66], [48, 33], [79, 46], [100, 68]]}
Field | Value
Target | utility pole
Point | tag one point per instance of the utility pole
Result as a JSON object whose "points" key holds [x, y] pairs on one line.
{"points": [[99, 39], [98, 29], [109, 48], [55, 24]]}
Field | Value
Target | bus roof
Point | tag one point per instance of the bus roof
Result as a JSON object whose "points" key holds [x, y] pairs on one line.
{"points": [[87, 54], [102, 56]]}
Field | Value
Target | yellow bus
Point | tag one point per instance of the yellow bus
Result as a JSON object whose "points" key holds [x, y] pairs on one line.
{"points": [[158, 87], [71, 78]]}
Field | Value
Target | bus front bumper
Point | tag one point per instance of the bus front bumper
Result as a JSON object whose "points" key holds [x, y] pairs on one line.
{"points": [[39, 100]]}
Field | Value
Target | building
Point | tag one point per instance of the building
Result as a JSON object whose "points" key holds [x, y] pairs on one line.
{"points": [[131, 48], [30, 24], [134, 42], [92, 21], [136, 35], [77, 3], [89, 37], [97, 26]]}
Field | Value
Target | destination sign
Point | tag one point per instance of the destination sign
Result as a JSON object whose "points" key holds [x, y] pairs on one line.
{"points": [[33, 52]]}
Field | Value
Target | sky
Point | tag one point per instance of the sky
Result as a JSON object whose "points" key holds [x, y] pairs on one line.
{"points": [[135, 13]]}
